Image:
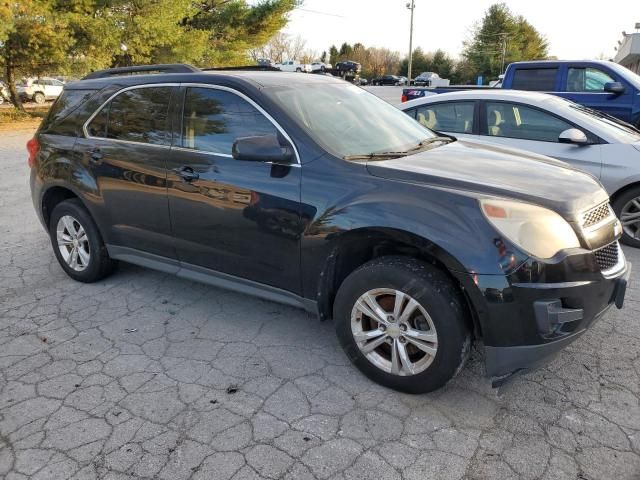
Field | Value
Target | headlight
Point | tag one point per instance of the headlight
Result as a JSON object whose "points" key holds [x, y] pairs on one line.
{"points": [[538, 231]]}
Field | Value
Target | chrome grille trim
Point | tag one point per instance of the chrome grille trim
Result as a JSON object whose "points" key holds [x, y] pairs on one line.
{"points": [[610, 259], [597, 215]]}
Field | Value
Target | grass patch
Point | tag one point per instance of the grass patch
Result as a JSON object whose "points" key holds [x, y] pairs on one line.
{"points": [[13, 119]]}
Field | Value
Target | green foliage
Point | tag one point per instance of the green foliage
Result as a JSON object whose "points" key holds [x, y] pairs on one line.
{"points": [[502, 31], [72, 37], [438, 61]]}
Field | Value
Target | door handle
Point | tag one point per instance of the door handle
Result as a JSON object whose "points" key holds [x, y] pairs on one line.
{"points": [[95, 156], [187, 174]]}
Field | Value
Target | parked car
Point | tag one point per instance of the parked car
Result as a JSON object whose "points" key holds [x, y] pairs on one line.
{"points": [[39, 90], [349, 66], [294, 66], [430, 79], [388, 80], [587, 139], [320, 66], [414, 243], [600, 85], [265, 62]]}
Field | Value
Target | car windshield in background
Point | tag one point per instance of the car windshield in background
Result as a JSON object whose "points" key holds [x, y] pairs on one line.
{"points": [[350, 122]]}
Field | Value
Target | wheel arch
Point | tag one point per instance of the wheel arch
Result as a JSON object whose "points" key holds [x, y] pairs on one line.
{"points": [[622, 190], [54, 195], [357, 247]]}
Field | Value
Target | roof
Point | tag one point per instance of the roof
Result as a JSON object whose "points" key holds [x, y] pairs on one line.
{"points": [[560, 62], [482, 94], [255, 78]]}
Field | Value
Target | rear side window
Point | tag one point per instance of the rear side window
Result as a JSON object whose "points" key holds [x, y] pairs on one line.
{"points": [[214, 119], [513, 120], [66, 103], [455, 117], [138, 115], [535, 79]]}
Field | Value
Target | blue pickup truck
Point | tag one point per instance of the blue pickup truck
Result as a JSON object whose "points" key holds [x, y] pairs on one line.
{"points": [[601, 85]]}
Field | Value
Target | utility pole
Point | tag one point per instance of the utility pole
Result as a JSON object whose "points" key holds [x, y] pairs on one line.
{"points": [[504, 50], [411, 6]]}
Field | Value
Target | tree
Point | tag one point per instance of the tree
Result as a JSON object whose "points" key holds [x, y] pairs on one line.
{"points": [[234, 27], [35, 40], [75, 36], [333, 55], [283, 47], [501, 38], [439, 62]]}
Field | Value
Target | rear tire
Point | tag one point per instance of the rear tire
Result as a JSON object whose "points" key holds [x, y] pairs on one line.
{"points": [[77, 243], [39, 98], [627, 209], [425, 327]]}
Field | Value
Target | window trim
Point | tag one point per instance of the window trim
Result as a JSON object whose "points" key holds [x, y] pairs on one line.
{"points": [[484, 130], [181, 107]]}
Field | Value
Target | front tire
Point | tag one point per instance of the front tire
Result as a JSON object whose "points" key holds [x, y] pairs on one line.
{"points": [[77, 243], [403, 324], [627, 209], [39, 98]]}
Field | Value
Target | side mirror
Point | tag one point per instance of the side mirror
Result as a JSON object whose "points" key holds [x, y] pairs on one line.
{"points": [[573, 136], [614, 87], [263, 148]]}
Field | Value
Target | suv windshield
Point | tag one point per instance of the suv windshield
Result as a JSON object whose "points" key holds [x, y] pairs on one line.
{"points": [[351, 122]]}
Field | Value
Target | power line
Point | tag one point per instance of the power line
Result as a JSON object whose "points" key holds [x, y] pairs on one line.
{"points": [[317, 12]]}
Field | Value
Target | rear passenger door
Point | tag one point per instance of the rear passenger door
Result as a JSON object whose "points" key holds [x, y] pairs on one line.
{"points": [[126, 148], [237, 217]]}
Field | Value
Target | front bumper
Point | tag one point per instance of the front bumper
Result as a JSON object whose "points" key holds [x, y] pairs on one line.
{"points": [[525, 323]]}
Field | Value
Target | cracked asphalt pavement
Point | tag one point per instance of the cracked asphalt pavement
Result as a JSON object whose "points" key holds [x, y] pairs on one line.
{"points": [[145, 375]]}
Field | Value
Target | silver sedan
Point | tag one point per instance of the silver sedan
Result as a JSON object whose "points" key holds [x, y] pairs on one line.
{"points": [[549, 125]]}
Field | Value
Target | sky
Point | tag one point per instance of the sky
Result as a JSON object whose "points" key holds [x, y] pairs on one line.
{"points": [[575, 29]]}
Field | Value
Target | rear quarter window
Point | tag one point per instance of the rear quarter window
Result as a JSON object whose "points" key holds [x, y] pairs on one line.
{"points": [[535, 79], [62, 108]]}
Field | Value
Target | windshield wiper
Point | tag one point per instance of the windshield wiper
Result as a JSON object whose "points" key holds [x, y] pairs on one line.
{"points": [[388, 155]]}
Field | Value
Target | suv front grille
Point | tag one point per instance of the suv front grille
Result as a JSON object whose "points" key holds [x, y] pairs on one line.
{"points": [[596, 215], [608, 257]]}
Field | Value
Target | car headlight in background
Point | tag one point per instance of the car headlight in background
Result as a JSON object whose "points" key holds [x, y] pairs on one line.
{"points": [[537, 230]]}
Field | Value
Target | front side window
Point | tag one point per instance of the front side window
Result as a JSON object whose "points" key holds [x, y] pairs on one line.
{"points": [[587, 80], [137, 115], [456, 117], [518, 121], [535, 79], [213, 120]]}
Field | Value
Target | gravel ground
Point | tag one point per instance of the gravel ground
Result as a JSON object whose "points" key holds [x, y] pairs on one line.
{"points": [[145, 375]]}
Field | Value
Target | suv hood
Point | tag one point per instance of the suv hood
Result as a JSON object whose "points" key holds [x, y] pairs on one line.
{"points": [[480, 168]]}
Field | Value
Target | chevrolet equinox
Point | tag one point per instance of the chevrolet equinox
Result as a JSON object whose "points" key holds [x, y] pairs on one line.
{"points": [[307, 190]]}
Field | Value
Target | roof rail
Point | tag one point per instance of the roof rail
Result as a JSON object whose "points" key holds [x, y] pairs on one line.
{"points": [[159, 68], [258, 68]]}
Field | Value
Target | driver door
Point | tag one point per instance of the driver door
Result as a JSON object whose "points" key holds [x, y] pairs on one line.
{"points": [[236, 217]]}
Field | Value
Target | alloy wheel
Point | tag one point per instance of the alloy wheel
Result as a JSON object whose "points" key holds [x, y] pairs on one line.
{"points": [[630, 218], [394, 332], [73, 243]]}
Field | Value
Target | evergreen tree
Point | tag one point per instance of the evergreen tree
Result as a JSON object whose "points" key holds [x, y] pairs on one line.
{"points": [[502, 33]]}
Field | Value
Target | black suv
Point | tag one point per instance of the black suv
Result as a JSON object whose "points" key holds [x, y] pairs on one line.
{"points": [[307, 190]]}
